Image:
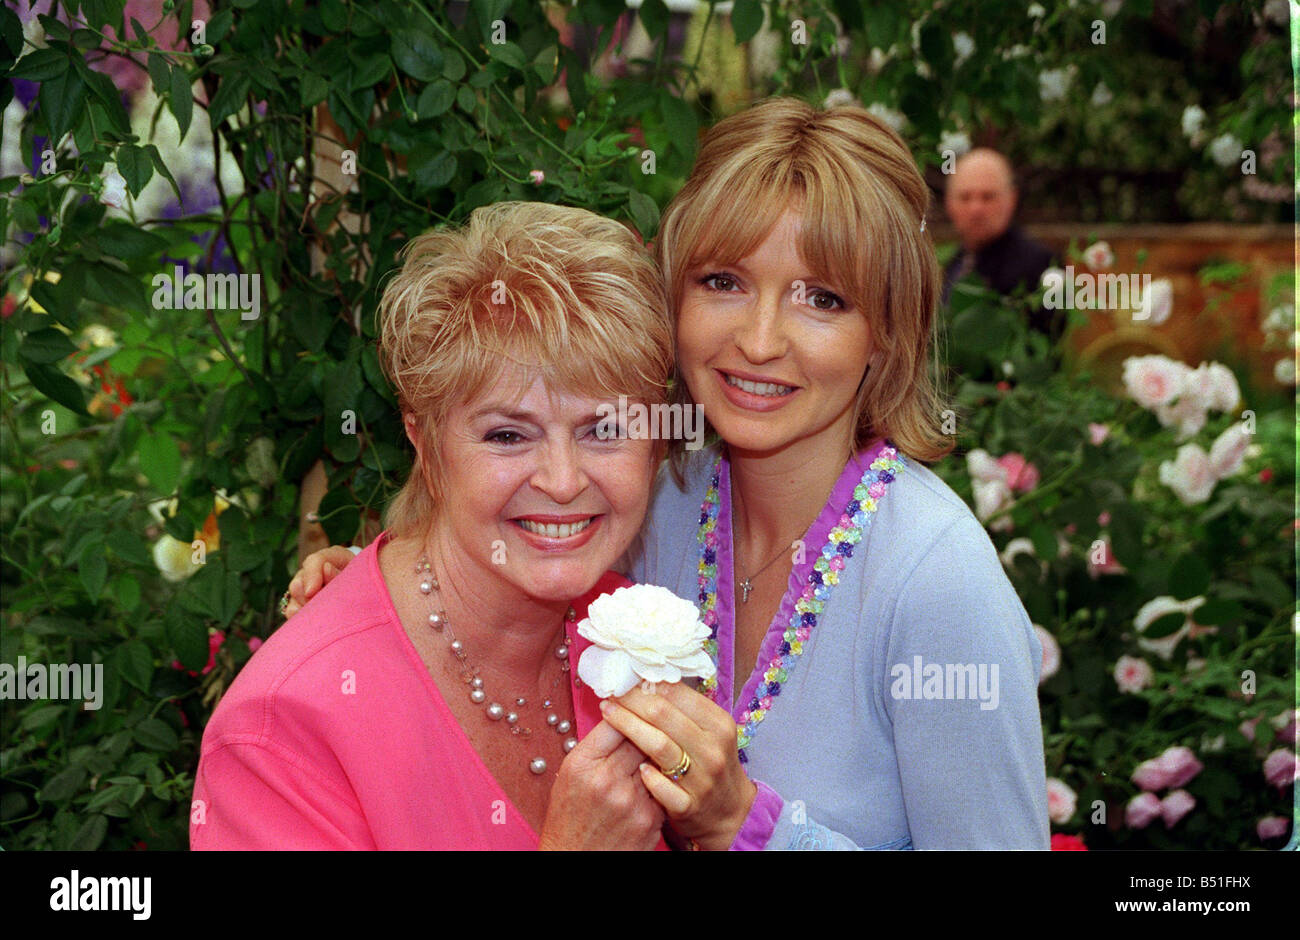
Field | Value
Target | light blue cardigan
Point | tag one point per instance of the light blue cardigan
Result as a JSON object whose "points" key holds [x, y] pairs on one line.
{"points": [[856, 752]]}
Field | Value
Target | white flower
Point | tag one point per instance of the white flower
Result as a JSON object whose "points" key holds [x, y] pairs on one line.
{"points": [[642, 633], [1157, 301], [964, 45], [1152, 381], [1098, 256], [1018, 51], [1061, 801], [114, 191], [1158, 607], [895, 119], [1225, 393], [1017, 547], [1225, 150], [1281, 317], [1193, 118], [1133, 674], [1229, 451], [1051, 654], [838, 97], [1101, 96], [1189, 475], [1284, 371], [1188, 415], [1054, 83], [99, 335], [174, 558], [1035, 11], [876, 61], [955, 141]]}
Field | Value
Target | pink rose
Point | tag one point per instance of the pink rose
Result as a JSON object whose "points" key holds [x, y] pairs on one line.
{"points": [[1190, 474], [1228, 451], [1103, 519], [537, 176], [1061, 801], [1154, 380], [1180, 764], [1271, 827], [1097, 433], [1141, 810], [1133, 674], [1051, 654], [1175, 806], [1279, 768], [1149, 775], [1098, 256], [1285, 723], [1021, 475], [1247, 728]]}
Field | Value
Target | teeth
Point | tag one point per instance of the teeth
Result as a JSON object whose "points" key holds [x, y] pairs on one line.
{"points": [[552, 531], [759, 388]]}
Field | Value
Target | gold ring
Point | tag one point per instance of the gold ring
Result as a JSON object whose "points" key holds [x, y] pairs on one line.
{"points": [[680, 770], [284, 601]]}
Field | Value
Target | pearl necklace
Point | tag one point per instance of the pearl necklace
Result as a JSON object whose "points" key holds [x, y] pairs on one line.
{"points": [[495, 711]]}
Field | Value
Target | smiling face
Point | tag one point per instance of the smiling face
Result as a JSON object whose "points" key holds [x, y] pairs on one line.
{"points": [[776, 363], [536, 497]]}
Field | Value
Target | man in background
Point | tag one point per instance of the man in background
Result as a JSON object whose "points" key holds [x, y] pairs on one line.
{"points": [[981, 199]]}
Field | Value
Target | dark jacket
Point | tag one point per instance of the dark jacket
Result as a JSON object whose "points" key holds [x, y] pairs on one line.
{"points": [[1012, 260]]}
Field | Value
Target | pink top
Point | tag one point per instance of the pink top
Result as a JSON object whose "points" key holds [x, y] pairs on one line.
{"points": [[334, 736]]}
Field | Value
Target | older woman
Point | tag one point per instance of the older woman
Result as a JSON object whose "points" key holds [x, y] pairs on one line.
{"points": [[877, 674], [426, 698]]}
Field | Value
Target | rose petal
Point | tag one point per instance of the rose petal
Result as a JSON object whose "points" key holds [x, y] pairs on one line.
{"points": [[608, 673]]}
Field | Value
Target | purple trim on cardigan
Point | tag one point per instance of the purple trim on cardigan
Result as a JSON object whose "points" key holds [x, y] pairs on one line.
{"points": [[725, 604], [756, 831], [813, 539]]}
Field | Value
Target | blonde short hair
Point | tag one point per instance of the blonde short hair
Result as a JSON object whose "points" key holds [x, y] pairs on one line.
{"points": [[862, 200], [562, 291]]}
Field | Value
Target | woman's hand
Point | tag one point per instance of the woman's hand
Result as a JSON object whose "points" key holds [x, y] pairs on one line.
{"points": [[598, 800], [318, 569], [711, 800]]}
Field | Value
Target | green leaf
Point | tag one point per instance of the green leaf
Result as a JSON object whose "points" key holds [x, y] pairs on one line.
{"points": [[1190, 577], [62, 99], [129, 242], [746, 19], [156, 734], [159, 74], [127, 591], [135, 662], [56, 386], [1164, 626], [436, 98], [181, 98], [369, 71], [416, 54], [218, 26], [682, 125], [230, 97], [42, 65], [431, 169], [1216, 611], [160, 459], [115, 287], [46, 346], [644, 212], [187, 636], [129, 547], [509, 54], [133, 163], [161, 167], [655, 16], [40, 717], [312, 89], [93, 571], [62, 785]]}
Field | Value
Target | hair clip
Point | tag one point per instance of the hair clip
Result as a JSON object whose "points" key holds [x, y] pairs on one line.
{"points": [[923, 223]]}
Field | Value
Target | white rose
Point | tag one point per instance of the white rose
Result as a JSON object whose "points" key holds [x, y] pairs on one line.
{"points": [[1157, 301], [1133, 674], [1156, 608], [1188, 415], [895, 119], [1017, 547], [1226, 393], [642, 633], [955, 141], [1101, 96], [1054, 83], [1281, 317], [964, 46], [838, 97], [1098, 256], [1228, 451], [1193, 118], [1225, 150], [1189, 475], [114, 191], [1035, 11], [1051, 654], [1284, 371], [1153, 380], [174, 558], [1061, 801]]}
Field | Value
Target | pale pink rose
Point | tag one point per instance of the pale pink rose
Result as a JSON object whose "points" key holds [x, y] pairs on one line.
{"points": [[1156, 608], [1285, 723], [1280, 768], [1271, 827], [114, 191], [1097, 433], [1228, 451], [1051, 654], [1189, 474], [1141, 810], [1133, 674], [1180, 764], [1022, 476], [1150, 775], [537, 176], [1175, 806], [981, 466], [1247, 728], [1098, 256], [1227, 394], [1157, 301], [1187, 415], [1152, 381], [1061, 801]]}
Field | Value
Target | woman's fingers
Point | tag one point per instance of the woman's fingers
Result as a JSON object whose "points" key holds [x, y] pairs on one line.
{"points": [[664, 747], [674, 800]]}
